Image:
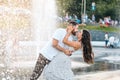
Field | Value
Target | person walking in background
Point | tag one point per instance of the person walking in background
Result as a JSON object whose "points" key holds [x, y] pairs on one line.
{"points": [[106, 39]]}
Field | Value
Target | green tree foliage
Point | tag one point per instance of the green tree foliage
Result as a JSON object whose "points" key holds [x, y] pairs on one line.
{"points": [[103, 8]]}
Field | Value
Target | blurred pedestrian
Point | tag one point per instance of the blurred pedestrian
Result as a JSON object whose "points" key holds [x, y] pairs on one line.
{"points": [[106, 39]]}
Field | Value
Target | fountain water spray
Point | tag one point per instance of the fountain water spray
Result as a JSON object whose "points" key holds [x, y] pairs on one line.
{"points": [[25, 31], [44, 14], [32, 34]]}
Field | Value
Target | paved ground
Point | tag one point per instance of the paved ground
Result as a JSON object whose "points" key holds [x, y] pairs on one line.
{"points": [[99, 51], [106, 75], [20, 65]]}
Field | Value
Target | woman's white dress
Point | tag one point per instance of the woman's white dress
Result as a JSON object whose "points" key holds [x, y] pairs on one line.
{"points": [[59, 68]]}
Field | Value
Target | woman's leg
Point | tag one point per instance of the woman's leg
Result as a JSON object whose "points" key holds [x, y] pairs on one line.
{"points": [[40, 64]]}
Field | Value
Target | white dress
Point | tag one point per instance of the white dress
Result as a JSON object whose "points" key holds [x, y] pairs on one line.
{"points": [[59, 68]]}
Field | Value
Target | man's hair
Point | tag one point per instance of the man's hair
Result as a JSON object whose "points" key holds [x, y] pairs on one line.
{"points": [[73, 23]]}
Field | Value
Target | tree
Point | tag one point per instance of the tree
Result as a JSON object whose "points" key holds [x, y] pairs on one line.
{"points": [[103, 8]]}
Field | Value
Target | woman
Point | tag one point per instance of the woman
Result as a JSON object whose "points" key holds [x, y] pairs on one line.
{"points": [[60, 67], [82, 43]]}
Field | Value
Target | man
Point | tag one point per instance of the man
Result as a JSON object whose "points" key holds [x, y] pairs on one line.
{"points": [[52, 48]]}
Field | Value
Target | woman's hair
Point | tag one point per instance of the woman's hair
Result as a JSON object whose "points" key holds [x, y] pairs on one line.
{"points": [[88, 55]]}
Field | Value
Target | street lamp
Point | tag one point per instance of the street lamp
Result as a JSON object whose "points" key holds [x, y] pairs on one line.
{"points": [[93, 6], [83, 10], [84, 7]]}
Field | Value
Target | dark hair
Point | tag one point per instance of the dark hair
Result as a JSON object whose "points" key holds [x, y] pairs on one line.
{"points": [[88, 55], [73, 23]]}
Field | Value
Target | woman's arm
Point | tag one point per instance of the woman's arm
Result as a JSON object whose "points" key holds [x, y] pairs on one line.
{"points": [[75, 44], [58, 47]]}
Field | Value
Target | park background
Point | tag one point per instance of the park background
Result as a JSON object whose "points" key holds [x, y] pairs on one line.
{"points": [[25, 26]]}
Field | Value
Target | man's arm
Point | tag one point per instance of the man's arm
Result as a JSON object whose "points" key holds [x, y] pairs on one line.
{"points": [[58, 47]]}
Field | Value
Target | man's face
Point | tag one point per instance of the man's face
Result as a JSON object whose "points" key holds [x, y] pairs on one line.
{"points": [[75, 29]]}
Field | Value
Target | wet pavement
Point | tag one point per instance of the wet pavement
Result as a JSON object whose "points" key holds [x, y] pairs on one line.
{"points": [[100, 53], [106, 59]]}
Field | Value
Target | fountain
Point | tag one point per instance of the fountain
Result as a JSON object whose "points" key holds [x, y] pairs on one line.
{"points": [[24, 30], [44, 14], [41, 27]]}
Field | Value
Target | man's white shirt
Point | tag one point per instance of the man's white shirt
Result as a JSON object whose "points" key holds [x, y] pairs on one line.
{"points": [[49, 51]]}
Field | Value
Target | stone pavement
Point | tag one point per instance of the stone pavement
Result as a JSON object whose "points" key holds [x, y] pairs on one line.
{"points": [[29, 64], [98, 51]]}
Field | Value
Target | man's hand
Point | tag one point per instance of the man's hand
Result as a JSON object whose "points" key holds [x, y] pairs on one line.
{"points": [[55, 45], [69, 29], [68, 52]]}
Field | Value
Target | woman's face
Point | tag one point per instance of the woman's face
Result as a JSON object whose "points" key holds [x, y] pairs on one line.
{"points": [[79, 35]]}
